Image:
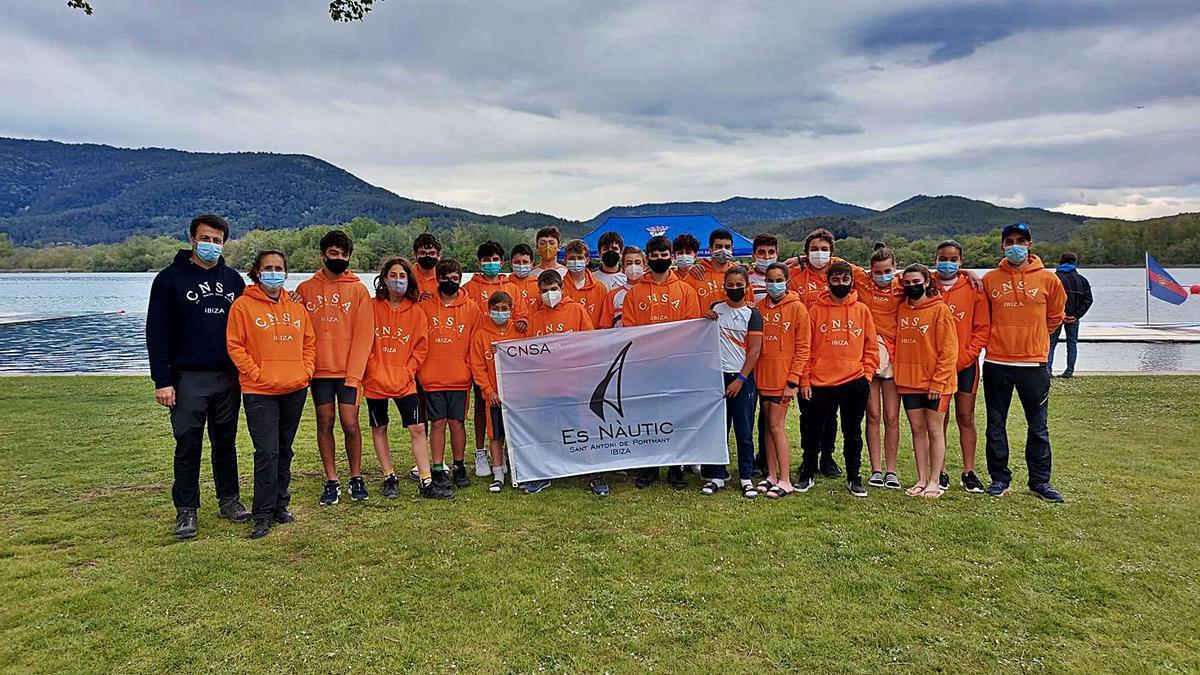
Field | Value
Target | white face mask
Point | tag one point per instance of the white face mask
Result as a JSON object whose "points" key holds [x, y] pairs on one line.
{"points": [[552, 298], [685, 260], [819, 258], [634, 272]]}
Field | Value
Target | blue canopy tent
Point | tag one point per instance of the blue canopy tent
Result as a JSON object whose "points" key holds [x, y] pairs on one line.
{"points": [[637, 230]]}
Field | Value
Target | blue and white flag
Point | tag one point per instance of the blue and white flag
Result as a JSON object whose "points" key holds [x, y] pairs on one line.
{"points": [[607, 400]]}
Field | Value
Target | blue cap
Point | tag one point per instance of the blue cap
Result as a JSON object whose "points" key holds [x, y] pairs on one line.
{"points": [[1016, 227]]}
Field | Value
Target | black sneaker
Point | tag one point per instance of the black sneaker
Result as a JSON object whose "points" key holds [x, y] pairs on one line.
{"points": [[283, 516], [997, 488], [390, 488], [460, 477], [646, 478], [233, 510], [431, 489], [442, 480], [803, 483], [676, 478], [185, 523], [599, 486], [329, 496], [261, 527], [855, 486], [1047, 492], [1067, 375], [944, 480], [971, 483], [358, 489], [830, 468]]}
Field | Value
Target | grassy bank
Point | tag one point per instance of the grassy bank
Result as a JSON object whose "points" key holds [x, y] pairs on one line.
{"points": [[562, 581]]}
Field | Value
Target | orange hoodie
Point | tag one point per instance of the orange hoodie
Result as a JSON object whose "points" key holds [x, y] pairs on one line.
{"points": [[708, 290], [591, 295], [787, 340], [567, 317], [426, 280], [483, 364], [480, 288], [271, 342], [883, 303], [528, 288], [341, 310], [400, 347], [926, 349], [1026, 306], [810, 283], [844, 344], [969, 308], [447, 366], [650, 302]]}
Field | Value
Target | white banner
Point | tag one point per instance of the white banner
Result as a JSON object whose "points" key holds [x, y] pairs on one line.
{"points": [[606, 400]]}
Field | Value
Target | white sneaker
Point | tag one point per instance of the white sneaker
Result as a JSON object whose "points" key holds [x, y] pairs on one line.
{"points": [[482, 466]]}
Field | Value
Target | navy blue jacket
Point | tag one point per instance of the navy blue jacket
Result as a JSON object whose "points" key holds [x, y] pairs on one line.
{"points": [[1079, 293], [185, 321]]}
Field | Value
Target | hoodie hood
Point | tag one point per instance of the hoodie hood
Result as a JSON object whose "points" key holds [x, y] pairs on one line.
{"points": [[825, 298], [1034, 265], [257, 292]]}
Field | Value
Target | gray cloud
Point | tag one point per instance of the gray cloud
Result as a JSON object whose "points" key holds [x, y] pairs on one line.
{"points": [[567, 107]]}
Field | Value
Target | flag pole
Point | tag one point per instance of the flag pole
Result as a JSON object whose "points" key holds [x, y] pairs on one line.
{"points": [[1147, 254]]}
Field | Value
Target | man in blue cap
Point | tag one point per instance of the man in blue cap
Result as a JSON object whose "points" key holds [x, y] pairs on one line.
{"points": [[1027, 304]]}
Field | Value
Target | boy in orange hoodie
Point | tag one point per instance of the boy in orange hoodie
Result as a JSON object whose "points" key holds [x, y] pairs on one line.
{"points": [[554, 314], [1027, 304], [926, 351], [427, 251], [446, 374], [845, 355], [580, 285], [481, 288], [660, 297], [270, 339], [969, 307], [707, 276], [400, 347], [340, 306], [493, 328], [523, 278]]}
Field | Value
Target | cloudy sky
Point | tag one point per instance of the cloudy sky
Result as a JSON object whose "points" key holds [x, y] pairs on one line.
{"points": [[568, 107]]}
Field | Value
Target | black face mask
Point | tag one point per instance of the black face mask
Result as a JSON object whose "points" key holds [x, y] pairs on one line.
{"points": [[427, 262], [659, 265], [610, 258], [735, 294], [336, 265], [448, 287], [839, 290], [914, 292]]}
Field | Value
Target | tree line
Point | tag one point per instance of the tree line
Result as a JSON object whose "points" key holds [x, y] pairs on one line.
{"points": [[1173, 241]]}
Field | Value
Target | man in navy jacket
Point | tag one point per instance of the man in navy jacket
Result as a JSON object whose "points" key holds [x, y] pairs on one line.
{"points": [[1079, 300], [192, 373]]}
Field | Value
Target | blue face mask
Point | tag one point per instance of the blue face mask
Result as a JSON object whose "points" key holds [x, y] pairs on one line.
{"points": [[490, 268], [499, 317], [947, 268], [776, 289], [397, 286], [884, 279], [208, 251], [272, 280], [576, 266], [1016, 254]]}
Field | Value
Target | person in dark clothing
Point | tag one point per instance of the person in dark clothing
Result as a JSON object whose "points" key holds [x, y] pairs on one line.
{"points": [[193, 376], [1079, 300]]}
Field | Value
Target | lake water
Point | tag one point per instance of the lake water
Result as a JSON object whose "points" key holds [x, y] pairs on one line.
{"points": [[116, 342]]}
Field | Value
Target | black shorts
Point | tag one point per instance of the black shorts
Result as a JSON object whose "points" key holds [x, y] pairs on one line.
{"points": [[442, 405], [409, 407], [968, 379], [771, 399], [496, 423], [918, 401], [326, 389]]}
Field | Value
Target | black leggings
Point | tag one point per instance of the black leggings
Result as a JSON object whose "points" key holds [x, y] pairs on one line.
{"points": [[272, 421]]}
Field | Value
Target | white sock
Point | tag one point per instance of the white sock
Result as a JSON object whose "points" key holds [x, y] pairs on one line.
{"points": [[498, 473], [746, 482], [478, 450], [718, 481]]}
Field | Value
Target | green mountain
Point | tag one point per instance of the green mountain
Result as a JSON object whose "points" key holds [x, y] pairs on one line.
{"points": [[57, 192], [742, 212]]}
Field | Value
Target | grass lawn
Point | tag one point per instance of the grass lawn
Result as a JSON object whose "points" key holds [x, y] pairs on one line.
{"points": [[562, 581]]}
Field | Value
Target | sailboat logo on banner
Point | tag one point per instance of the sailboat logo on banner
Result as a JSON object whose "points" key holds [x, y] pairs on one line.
{"points": [[600, 395]]}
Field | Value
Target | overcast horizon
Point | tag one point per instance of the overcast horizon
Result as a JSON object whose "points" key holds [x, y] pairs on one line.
{"points": [[569, 108]]}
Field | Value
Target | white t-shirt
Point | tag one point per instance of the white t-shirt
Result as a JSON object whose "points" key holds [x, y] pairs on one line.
{"points": [[735, 325], [618, 304], [610, 279]]}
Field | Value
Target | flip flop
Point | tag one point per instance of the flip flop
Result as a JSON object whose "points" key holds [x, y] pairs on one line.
{"points": [[915, 490], [777, 492]]}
